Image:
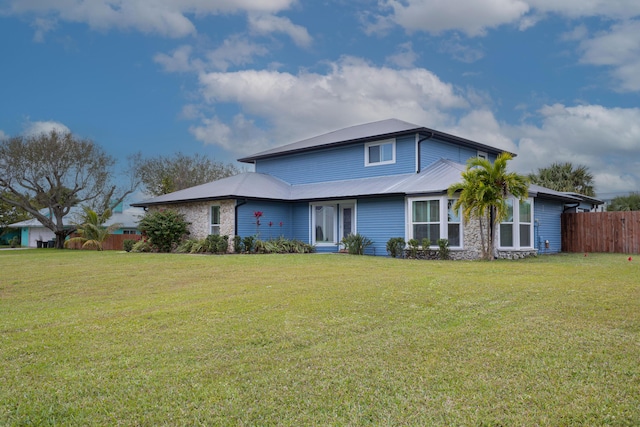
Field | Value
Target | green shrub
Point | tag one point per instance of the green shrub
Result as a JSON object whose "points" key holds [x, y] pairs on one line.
{"points": [[426, 243], [248, 243], [127, 244], [237, 244], [283, 246], [395, 246], [217, 244], [414, 245], [355, 244], [443, 252], [14, 242], [141, 246], [164, 229]]}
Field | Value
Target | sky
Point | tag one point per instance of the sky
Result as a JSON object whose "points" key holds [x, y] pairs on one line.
{"points": [[550, 80]]}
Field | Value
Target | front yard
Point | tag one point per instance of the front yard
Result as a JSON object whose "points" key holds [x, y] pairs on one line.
{"points": [[112, 338]]}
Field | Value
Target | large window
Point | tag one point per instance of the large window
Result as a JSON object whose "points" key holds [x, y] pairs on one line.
{"points": [[433, 218], [380, 153], [516, 231], [215, 220], [426, 220]]}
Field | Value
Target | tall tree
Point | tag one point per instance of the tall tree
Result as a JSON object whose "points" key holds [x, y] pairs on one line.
{"points": [[483, 195], [625, 203], [10, 214], [565, 177], [166, 174], [54, 172]]}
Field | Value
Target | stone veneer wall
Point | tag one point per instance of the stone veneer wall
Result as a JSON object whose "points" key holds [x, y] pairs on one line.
{"points": [[198, 215], [473, 245]]}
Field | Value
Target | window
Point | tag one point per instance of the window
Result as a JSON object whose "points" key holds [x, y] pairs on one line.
{"points": [[434, 218], [426, 220], [215, 220], [454, 224], [516, 231], [380, 153], [126, 231]]}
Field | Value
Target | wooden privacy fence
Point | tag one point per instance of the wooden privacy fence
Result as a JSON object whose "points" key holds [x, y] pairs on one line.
{"points": [[615, 232], [113, 243]]}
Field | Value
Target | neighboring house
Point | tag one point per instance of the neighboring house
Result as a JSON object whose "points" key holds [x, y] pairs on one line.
{"points": [[382, 180], [32, 231]]}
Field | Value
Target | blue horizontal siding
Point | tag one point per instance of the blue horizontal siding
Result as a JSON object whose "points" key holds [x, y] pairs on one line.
{"points": [[333, 164], [274, 212], [547, 225], [432, 150], [380, 219]]}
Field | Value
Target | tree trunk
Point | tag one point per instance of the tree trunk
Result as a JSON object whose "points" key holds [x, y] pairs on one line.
{"points": [[492, 234]]}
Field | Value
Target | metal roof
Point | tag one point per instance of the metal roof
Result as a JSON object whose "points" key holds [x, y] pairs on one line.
{"points": [[245, 185], [366, 132], [129, 218], [434, 179]]}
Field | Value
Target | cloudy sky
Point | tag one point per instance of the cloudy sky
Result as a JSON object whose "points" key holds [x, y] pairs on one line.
{"points": [[552, 80]]}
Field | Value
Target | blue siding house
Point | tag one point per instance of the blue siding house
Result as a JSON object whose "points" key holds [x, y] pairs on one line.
{"points": [[382, 180]]}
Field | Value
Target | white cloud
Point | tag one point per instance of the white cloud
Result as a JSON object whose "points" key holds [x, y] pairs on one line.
{"points": [[3, 135], [606, 140], [302, 105], [235, 51], [164, 17], [481, 125], [39, 127], [619, 49], [475, 17], [178, 61], [405, 57], [472, 17], [267, 24]]}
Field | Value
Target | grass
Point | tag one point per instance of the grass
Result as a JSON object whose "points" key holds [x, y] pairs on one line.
{"points": [[110, 338]]}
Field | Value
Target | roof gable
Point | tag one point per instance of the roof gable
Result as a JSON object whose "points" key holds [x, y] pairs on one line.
{"points": [[382, 129]]}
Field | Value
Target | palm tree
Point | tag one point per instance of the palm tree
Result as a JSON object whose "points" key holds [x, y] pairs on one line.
{"points": [[91, 232], [564, 177], [484, 191]]}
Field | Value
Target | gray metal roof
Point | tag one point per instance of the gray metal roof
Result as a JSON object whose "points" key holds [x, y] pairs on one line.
{"points": [[129, 218], [434, 179], [365, 132], [244, 185]]}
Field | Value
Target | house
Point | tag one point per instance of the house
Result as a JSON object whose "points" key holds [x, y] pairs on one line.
{"points": [[382, 180], [32, 231]]}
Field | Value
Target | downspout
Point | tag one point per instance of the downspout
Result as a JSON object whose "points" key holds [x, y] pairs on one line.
{"points": [[238, 204], [419, 151]]}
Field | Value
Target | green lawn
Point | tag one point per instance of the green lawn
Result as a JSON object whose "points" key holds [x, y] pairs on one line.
{"points": [[111, 338]]}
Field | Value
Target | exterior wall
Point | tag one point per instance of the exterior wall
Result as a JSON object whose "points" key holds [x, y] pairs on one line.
{"points": [[333, 164], [432, 150], [301, 222], [198, 215], [380, 219], [274, 212], [547, 225]]}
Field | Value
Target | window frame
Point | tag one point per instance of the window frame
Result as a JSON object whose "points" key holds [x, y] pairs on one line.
{"points": [[443, 220], [516, 226], [337, 206], [211, 218], [368, 145]]}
